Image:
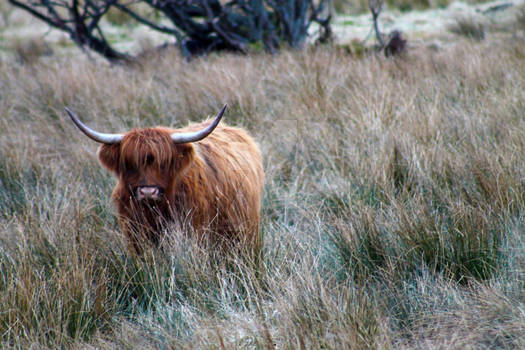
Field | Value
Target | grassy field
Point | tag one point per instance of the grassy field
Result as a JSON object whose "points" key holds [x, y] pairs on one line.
{"points": [[393, 211]]}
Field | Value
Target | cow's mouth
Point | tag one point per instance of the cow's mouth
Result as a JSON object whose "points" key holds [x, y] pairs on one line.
{"points": [[148, 193]]}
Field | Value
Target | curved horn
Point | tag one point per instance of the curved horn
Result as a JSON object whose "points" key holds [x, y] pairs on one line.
{"points": [[198, 135], [94, 135]]}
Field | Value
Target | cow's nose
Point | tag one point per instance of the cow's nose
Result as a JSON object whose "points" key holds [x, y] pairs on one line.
{"points": [[148, 192]]}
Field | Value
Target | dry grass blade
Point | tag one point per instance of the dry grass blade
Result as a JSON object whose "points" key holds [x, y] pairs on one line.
{"points": [[393, 212]]}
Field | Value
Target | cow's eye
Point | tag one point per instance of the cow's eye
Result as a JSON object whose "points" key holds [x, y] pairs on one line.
{"points": [[131, 169], [150, 159]]}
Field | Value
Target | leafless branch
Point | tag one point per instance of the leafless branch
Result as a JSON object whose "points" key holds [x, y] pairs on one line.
{"points": [[375, 7], [199, 26]]}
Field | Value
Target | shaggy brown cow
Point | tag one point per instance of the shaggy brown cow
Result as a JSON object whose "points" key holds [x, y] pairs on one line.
{"points": [[210, 181]]}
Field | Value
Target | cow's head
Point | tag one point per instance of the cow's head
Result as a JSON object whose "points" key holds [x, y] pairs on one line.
{"points": [[147, 161]]}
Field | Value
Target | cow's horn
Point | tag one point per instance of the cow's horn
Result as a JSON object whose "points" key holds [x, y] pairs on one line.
{"points": [[198, 135], [94, 135]]}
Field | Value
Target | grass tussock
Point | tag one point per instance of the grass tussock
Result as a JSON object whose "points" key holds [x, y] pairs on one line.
{"points": [[471, 26], [393, 210]]}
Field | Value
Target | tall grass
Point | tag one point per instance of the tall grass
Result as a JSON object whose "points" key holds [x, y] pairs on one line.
{"points": [[393, 211]]}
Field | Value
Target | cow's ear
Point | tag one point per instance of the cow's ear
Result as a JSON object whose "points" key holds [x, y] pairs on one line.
{"points": [[109, 156], [185, 154]]}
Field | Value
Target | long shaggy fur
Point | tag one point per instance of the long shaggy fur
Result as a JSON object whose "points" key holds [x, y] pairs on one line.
{"points": [[214, 185]]}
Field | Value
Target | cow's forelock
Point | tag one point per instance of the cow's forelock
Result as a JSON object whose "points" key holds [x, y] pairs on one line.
{"points": [[146, 148]]}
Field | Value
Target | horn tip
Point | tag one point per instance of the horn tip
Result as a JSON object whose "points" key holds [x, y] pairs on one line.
{"points": [[69, 112]]}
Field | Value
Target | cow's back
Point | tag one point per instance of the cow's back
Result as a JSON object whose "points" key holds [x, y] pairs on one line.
{"points": [[224, 184]]}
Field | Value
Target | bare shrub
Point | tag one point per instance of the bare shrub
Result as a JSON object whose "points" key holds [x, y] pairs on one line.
{"points": [[197, 27]]}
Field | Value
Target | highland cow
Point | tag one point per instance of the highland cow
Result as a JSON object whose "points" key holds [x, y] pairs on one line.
{"points": [[206, 176]]}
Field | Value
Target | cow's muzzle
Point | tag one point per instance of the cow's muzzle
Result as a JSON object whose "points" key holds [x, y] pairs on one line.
{"points": [[148, 193]]}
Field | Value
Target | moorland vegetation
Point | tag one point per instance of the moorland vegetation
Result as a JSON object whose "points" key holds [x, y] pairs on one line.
{"points": [[393, 211]]}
